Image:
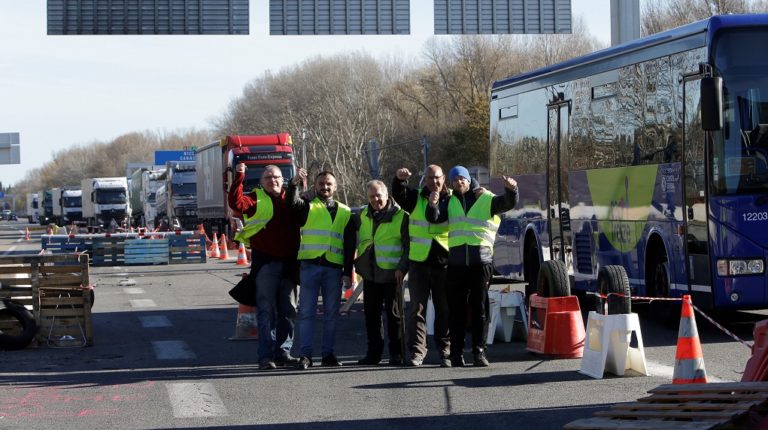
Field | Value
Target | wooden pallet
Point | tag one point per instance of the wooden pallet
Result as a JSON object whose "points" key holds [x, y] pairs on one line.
{"points": [[108, 251], [45, 284], [186, 249], [65, 244], [146, 251], [686, 406]]}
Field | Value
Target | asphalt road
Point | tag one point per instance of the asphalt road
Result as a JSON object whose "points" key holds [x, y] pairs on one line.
{"points": [[162, 359]]}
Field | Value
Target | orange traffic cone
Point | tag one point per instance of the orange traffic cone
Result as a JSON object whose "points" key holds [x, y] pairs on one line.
{"points": [[689, 360], [26, 233], [242, 259], [215, 247], [246, 327], [223, 251]]}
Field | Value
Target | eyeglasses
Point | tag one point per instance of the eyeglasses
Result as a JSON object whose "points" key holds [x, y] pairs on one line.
{"points": [[273, 177], [434, 177]]}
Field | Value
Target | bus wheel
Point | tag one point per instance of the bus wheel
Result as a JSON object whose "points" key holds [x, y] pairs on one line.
{"points": [[553, 280], [22, 332], [668, 312], [531, 266], [613, 279]]}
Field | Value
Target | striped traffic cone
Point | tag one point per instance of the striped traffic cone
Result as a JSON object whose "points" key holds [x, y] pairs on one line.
{"points": [[223, 248], [242, 259], [689, 360], [215, 247]]}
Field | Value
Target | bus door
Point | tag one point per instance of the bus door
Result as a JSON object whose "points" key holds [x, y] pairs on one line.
{"points": [[694, 193], [558, 112]]}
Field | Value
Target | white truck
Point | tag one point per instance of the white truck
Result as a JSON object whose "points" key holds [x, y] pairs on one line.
{"points": [[33, 208], [144, 186], [67, 206], [105, 200]]}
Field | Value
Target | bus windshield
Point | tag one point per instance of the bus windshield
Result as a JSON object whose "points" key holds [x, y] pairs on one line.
{"points": [[740, 151]]}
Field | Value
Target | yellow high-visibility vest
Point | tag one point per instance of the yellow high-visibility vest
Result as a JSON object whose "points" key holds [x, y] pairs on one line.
{"points": [[387, 242], [257, 222], [422, 232], [476, 227], [322, 237]]}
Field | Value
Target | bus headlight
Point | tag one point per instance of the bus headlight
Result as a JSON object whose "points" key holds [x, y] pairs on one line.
{"points": [[740, 267]]}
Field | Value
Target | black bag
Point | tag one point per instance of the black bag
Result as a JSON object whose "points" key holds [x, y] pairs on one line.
{"points": [[245, 290]]}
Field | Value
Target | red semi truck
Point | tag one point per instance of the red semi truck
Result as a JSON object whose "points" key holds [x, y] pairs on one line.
{"points": [[216, 163]]}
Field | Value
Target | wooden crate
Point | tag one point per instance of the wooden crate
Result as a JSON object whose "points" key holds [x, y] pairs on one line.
{"points": [[108, 251], [65, 317], [186, 249], [44, 282], [146, 251], [686, 406]]}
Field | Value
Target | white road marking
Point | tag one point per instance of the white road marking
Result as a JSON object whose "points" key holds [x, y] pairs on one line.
{"points": [[664, 371], [133, 290], [195, 400], [143, 303], [155, 321], [9, 250], [172, 350]]}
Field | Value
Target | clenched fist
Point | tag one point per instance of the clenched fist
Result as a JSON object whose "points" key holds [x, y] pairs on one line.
{"points": [[403, 174]]}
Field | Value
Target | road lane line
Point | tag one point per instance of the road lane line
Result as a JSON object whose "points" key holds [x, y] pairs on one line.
{"points": [[155, 321], [195, 400], [143, 303], [133, 290], [664, 371], [10, 250], [172, 350]]}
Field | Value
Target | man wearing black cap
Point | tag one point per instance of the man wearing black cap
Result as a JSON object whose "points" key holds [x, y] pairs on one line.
{"points": [[472, 225]]}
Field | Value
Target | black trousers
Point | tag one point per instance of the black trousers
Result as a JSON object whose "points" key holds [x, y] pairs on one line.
{"points": [[468, 292], [423, 280], [378, 297]]}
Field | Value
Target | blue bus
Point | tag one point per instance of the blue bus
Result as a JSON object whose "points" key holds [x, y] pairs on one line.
{"points": [[650, 156]]}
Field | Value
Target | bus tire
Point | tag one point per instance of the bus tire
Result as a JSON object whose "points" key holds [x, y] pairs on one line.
{"points": [[613, 279], [553, 280], [11, 310], [531, 267]]}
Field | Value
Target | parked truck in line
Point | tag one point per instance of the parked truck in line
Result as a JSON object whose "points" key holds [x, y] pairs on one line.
{"points": [[33, 208], [67, 206], [105, 200], [46, 206], [180, 195], [215, 164], [144, 185]]}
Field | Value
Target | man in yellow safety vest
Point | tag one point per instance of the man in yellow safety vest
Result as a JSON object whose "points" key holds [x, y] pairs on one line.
{"points": [[472, 226], [382, 261], [325, 254]]}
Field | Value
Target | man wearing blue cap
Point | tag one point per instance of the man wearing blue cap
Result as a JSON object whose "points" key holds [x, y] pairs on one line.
{"points": [[472, 225]]}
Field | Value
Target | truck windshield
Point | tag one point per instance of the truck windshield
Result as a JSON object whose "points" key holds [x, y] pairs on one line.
{"points": [[72, 202], [740, 151], [185, 189], [110, 197], [253, 176]]}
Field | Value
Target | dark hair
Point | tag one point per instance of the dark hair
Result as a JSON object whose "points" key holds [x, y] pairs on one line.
{"points": [[325, 173]]}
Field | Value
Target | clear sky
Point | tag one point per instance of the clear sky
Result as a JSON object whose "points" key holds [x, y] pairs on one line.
{"points": [[59, 91]]}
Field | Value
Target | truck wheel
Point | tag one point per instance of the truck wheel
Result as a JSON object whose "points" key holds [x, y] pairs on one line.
{"points": [[20, 336], [553, 280], [613, 279]]}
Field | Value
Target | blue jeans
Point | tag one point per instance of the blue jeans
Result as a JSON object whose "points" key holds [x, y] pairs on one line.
{"points": [[276, 306], [315, 280]]}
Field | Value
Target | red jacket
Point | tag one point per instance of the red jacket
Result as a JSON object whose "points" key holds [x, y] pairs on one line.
{"points": [[280, 238]]}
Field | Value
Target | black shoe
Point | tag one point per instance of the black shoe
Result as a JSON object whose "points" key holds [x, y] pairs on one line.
{"points": [[286, 360], [304, 363], [267, 365], [457, 361], [368, 361], [445, 362], [397, 361], [480, 359], [330, 360]]}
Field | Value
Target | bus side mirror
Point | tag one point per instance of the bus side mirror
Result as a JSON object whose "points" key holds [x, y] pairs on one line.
{"points": [[712, 103]]}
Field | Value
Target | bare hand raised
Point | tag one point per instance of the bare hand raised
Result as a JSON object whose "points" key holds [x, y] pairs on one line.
{"points": [[301, 176], [509, 183], [240, 168], [434, 197], [403, 174]]}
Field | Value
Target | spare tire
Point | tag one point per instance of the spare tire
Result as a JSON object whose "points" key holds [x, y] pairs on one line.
{"points": [[22, 335], [553, 279], [613, 281]]}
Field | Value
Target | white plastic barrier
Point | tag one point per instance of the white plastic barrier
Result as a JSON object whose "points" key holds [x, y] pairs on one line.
{"points": [[607, 347]]}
